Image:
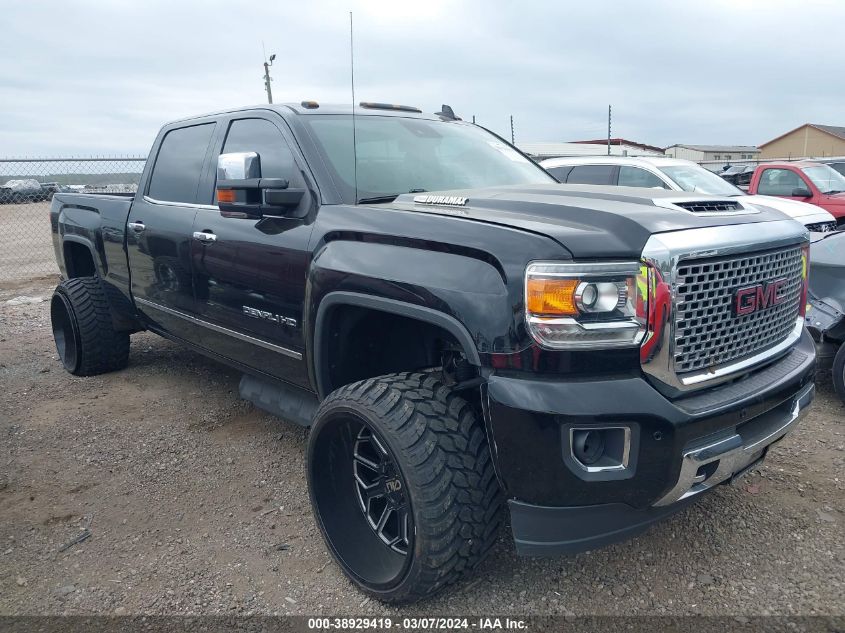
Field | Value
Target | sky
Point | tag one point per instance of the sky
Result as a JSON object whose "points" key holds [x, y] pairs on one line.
{"points": [[99, 78]]}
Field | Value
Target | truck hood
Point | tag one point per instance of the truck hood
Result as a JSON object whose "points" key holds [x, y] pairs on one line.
{"points": [[589, 221], [793, 208]]}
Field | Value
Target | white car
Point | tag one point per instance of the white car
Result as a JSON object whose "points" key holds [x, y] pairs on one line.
{"points": [[676, 175]]}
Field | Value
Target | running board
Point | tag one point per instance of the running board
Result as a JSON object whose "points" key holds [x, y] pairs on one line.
{"points": [[280, 399]]}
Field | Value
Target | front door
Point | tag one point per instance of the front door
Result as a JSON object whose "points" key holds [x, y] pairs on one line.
{"points": [[159, 231], [776, 181], [250, 273]]}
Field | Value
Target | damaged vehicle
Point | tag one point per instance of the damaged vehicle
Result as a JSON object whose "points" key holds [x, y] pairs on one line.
{"points": [[826, 313], [463, 335]]}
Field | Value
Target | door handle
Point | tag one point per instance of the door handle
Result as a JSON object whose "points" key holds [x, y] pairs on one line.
{"points": [[136, 226], [206, 238]]}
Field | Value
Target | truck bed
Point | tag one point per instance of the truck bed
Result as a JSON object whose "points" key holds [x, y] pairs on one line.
{"points": [[97, 222]]}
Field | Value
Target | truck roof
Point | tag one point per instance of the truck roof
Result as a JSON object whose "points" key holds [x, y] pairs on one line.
{"points": [[655, 161], [790, 163], [287, 109]]}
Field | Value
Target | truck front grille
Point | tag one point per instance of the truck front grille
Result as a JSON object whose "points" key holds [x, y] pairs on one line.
{"points": [[707, 332]]}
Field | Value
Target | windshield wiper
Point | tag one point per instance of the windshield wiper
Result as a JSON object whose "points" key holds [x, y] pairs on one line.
{"points": [[386, 198], [834, 191]]}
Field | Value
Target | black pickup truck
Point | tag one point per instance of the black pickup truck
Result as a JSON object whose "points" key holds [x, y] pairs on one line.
{"points": [[460, 332]]}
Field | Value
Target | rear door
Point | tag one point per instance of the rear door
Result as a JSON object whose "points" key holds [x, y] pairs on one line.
{"points": [[159, 230], [250, 276]]}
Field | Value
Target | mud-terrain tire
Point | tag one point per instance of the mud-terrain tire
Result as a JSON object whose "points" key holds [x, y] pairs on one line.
{"points": [[434, 467], [83, 330], [839, 372]]}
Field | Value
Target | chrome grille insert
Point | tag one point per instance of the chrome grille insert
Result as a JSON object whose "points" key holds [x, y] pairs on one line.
{"points": [[707, 333], [668, 254]]}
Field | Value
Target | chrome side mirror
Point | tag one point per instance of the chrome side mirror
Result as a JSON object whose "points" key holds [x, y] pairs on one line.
{"points": [[238, 166], [243, 193]]}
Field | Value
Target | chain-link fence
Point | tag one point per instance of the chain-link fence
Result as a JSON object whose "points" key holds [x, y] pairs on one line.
{"points": [[26, 188]]}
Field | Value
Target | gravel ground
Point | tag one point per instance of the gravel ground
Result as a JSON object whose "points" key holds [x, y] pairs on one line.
{"points": [[26, 246], [195, 502]]}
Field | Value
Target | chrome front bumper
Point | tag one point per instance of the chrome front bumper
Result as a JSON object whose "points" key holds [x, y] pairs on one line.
{"points": [[712, 463]]}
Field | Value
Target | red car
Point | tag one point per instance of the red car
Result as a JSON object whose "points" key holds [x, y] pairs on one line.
{"points": [[803, 180]]}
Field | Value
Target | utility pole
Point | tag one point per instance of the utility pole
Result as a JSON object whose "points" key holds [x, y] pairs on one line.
{"points": [[512, 141], [473, 119], [608, 130], [267, 78]]}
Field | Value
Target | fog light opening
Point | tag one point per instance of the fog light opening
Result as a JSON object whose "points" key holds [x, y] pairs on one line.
{"points": [[598, 449], [588, 446]]}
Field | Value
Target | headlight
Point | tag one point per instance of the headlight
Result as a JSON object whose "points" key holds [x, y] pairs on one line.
{"points": [[581, 306]]}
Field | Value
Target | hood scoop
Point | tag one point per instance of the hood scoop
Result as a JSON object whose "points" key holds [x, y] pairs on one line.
{"points": [[711, 206]]}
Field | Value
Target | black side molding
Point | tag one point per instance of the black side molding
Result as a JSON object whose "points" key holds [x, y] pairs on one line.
{"points": [[280, 399]]}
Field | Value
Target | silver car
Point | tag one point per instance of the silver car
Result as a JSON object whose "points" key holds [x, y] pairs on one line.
{"points": [[676, 175]]}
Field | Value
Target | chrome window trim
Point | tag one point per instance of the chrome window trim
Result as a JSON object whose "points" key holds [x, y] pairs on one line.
{"points": [[222, 330], [664, 251], [190, 205]]}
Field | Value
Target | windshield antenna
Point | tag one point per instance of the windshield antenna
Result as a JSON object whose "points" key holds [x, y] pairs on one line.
{"points": [[354, 137]]}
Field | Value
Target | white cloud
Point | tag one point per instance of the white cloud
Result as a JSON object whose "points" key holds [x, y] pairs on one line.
{"points": [[90, 77]]}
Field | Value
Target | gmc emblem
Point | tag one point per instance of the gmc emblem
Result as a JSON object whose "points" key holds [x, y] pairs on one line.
{"points": [[753, 298]]}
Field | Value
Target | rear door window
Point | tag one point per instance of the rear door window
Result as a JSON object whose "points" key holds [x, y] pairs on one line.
{"points": [[636, 177], [592, 175], [178, 167], [560, 173]]}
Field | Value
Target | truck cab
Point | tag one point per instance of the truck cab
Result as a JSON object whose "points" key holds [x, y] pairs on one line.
{"points": [[804, 181]]}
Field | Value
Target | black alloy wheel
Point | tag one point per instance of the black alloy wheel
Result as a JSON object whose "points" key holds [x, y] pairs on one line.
{"points": [[86, 339], [402, 485], [381, 492]]}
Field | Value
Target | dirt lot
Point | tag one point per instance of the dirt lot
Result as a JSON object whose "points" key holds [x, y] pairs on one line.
{"points": [[196, 503], [25, 245]]}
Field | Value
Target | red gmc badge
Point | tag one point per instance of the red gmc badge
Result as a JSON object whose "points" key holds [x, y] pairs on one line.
{"points": [[750, 299]]}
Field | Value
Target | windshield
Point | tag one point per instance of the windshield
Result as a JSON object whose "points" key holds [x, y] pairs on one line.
{"points": [[826, 179], [700, 180], [400, 155]]}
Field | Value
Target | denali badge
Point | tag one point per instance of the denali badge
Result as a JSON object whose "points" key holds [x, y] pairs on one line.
{"points": [[269, 316], [449, 201], [753, 298]]}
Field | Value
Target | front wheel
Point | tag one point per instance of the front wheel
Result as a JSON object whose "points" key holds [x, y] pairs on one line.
{"points": [[839, 373], [402, 485]]}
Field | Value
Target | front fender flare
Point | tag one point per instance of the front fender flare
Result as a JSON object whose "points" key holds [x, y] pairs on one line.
{"points": [[421, 313]]}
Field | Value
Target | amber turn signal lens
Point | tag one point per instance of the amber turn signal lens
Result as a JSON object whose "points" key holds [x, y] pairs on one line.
{"points": [[554, 297], [225, 195]]}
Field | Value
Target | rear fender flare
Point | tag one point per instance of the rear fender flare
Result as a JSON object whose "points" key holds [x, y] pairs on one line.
{"points": [[83, 241]]}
